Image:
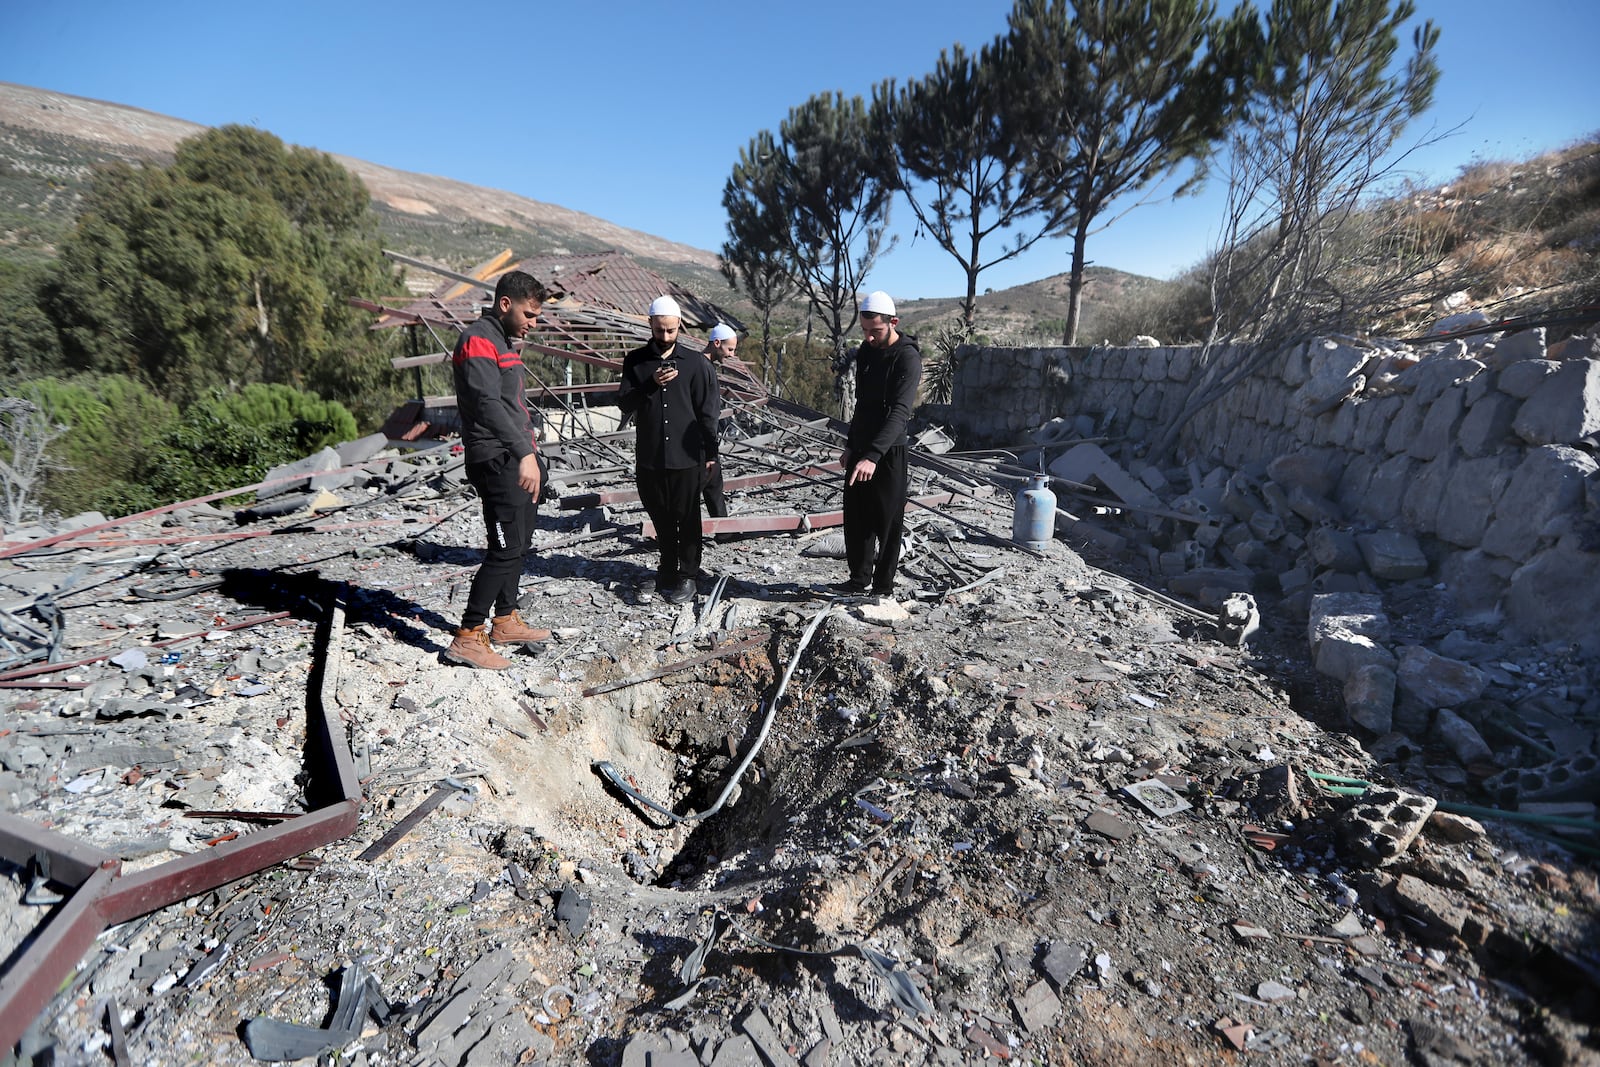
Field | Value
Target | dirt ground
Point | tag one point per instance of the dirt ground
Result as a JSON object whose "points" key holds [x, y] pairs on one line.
{"points": [[1031, 811]]}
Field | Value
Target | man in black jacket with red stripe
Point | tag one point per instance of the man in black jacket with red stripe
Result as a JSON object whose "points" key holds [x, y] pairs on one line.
{"points": [[502, 465]]}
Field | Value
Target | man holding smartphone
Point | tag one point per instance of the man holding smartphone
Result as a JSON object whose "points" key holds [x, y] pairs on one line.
{"points": [[672, 394]]}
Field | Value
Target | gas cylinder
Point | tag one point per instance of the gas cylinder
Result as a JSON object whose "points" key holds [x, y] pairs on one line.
{"points": [[1034, 522]]}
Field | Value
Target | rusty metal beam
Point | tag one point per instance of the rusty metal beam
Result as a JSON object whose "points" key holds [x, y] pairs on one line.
{"points": [[106, 897], [51, 668], [58, 944], [744, 481], [818, 520], [71, 861]]}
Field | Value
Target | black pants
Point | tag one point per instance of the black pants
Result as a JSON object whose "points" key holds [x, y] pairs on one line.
{"points": [[874, 520], [508, 521], [715, 497], [672, 500]]}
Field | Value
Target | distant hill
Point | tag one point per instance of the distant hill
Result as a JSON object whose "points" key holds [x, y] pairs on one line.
{"points": [[1035, 313], [50, 143]]}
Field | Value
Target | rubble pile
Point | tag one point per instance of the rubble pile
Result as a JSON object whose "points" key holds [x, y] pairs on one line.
{"points": [[1030, 810]]}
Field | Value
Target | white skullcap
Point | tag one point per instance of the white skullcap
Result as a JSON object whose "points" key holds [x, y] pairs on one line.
{"points": [[722, 332], [878, 303], [664, 305]]}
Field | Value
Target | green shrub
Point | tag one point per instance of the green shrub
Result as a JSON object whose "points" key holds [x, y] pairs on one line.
{"points": [[113, 424]]}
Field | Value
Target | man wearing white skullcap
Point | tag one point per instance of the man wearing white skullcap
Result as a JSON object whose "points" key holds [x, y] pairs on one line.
{"points": [[888, 369], [721, 350], [672, 393]]}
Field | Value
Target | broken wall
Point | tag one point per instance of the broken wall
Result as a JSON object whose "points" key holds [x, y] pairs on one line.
{"points": [[1482, 448]]}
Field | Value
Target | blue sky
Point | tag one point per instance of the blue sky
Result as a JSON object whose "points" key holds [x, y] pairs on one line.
{"points": [[636, 112]]}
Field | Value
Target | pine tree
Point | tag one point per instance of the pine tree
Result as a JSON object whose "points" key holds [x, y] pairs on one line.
{"points": [[961, 163], [828, 186], [1119, 95], [754, 255]]}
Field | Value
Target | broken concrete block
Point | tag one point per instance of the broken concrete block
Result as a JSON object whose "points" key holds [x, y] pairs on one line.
{"points": [[1238, 619], [1089, 465], [1369, 697], [1383, 823], [1462, 739], [1574, 778], [1209, 585], [1336, 583], [361, 449], [1335, 549], [1294, 579], [1313, 507], [1241, 497], [1251, 554], [1434, 681], [1037, 1007], [1392, 555], [1443, 917], [1266, 526], [307, 474]]}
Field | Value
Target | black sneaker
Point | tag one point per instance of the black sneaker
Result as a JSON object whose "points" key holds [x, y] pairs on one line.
{"points": [[681, 593], [883, 592], [844, 589]]}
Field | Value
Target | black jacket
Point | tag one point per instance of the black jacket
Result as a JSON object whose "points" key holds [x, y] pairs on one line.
{"points": [[886, 391], [676, 424], [490, 394]]}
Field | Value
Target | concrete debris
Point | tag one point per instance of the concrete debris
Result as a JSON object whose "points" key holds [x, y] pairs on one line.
{"points": [[1382, 824], [1068, 810]]}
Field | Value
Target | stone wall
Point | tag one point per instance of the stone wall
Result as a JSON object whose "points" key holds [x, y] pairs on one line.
{"points": [[1484, 449]]}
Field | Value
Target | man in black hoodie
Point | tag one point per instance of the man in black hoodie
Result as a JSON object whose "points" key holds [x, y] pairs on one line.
{"points": [[502, 465], [672, 393], [888, 370]]}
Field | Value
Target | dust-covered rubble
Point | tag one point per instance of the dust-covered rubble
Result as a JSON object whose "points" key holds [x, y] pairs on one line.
{"points": [[1049, 817]]}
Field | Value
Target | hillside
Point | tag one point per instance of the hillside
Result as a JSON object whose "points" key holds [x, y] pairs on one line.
{"points": [[50, 142], [1035, 313]]}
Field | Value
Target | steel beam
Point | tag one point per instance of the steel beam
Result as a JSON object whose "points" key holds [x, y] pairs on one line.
{"points": [[104, 896]]}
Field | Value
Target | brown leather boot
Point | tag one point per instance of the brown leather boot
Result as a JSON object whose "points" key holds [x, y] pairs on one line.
{"points": [[471, 649], [511, 630]]}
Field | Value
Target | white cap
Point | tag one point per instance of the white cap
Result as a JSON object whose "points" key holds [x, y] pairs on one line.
{"points": [[722, 332], [878, 303], [664, 305]]}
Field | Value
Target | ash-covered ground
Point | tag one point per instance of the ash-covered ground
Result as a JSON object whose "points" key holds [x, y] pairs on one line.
{"points": [[1031, 810]]}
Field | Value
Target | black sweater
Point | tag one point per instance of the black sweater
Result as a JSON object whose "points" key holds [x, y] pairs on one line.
{"points": [[886, 391]]}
